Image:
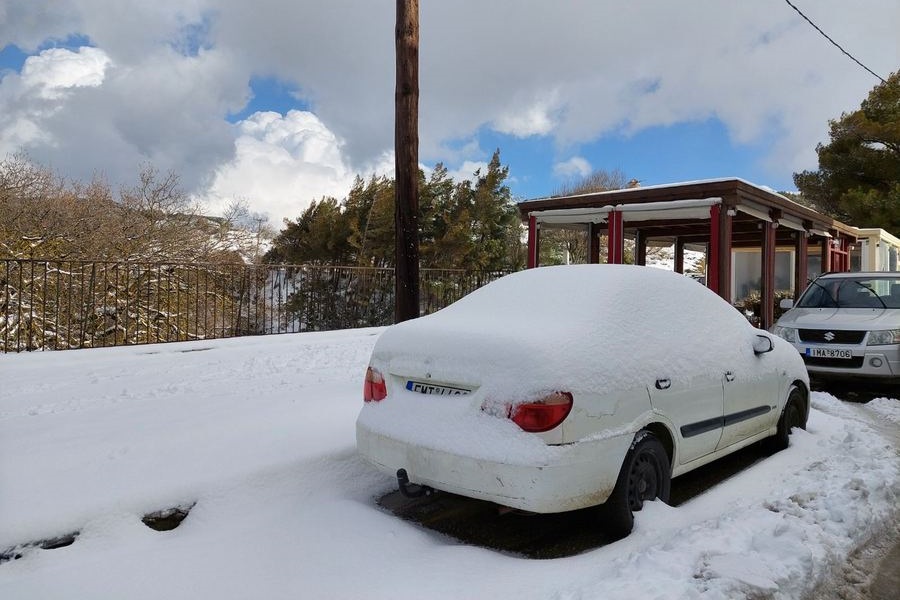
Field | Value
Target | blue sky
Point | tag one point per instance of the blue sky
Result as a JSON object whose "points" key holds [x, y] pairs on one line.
{"points": [[12, 58], [278, 103], [270, 94], [682, 152]]}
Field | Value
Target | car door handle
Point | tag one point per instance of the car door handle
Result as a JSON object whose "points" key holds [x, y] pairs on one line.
{"points": [[663, 384], [729, 376]]}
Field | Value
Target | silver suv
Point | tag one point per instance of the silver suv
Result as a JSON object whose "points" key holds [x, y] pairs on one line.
{"points": [[847, 325]]}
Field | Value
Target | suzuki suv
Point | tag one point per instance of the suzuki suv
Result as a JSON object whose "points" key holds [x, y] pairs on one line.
{"points": [[847, 326]]}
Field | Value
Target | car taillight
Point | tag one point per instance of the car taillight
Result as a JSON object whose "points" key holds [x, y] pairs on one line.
{"points": [[544, 414], [374, 388]]}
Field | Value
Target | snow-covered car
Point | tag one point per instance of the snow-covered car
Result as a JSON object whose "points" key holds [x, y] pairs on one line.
{"points": [[847, 326], [561, 388]]}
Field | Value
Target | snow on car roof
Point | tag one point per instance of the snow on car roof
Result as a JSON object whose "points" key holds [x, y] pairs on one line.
{"points": [[590, 326]]}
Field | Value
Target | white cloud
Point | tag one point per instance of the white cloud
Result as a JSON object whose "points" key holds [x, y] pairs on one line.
{"points": [[281, 164], [55, 70], [574, 168], [29, 24], [35, 95], [84, 113], [572, 72], [532, 118]]}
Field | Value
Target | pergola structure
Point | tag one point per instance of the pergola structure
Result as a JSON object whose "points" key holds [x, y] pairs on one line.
{"points": [[721, 214]]}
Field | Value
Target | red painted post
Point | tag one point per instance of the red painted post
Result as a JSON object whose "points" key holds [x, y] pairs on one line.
{"points": [[845, 254], [610, 238], [620, 239], [712, 252], [767, 294], [801, 258], [615, 239]]}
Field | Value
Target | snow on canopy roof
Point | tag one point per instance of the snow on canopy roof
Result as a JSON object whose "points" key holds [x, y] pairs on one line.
{"points": [[692, 208], [747, 192], [644, 188]]}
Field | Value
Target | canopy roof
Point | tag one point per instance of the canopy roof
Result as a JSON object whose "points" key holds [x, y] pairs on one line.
{"points": [[682, 210]]}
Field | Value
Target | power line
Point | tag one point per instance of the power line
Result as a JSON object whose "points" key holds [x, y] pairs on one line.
{"points": [[838, 46]]}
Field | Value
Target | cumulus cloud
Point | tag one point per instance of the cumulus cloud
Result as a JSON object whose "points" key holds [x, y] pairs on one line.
{"points": [[35, 95], [529, 118], [55, 70], [284, 162], [82, 112], [568, 72], [575, 167], [30, 24]]}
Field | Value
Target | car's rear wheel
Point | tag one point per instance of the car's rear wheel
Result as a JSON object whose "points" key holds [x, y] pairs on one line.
{"points": [[646, 474], [793, 415]]}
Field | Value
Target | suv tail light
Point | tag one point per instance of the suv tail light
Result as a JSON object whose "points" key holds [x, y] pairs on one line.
{"points": [[544, 414], [374, 388]]}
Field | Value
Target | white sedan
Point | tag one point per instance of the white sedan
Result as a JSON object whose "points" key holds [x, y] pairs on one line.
{"points": [[559, 388]]}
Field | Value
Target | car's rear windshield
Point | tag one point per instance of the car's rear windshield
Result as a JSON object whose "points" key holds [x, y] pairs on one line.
{"points": [[849, 292]]}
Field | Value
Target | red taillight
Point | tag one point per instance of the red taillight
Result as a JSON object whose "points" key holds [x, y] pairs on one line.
{"points": [[374, 388], [544, 414]]}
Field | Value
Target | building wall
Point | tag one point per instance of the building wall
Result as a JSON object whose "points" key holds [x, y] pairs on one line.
{"points": [[879, 250], [746, 271], [876, 250]]}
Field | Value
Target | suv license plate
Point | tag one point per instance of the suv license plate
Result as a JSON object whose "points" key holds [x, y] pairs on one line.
{"points": [[828, 353]]}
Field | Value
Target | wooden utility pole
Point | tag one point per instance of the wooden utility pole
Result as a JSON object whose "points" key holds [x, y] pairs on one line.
{"points": [[406, 162]]}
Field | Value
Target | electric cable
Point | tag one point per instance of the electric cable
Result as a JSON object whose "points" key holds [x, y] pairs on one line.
{"points": [[838, 46]]}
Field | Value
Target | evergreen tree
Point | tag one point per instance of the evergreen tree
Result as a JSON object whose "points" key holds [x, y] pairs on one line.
{"points": [[370, 208], [465, 225], [438, 247], [858, 180], [494, 218], [319, 236]]}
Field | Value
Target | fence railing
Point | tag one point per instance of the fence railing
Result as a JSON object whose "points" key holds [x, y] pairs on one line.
{"points": [[57, 305]]}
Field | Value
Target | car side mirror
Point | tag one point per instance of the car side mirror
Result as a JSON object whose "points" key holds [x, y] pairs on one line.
{"points": [[786, 303], [762, 344]]}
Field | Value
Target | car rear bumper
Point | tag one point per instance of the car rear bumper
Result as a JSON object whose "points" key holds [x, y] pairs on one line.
{"points": [[582, 474]]}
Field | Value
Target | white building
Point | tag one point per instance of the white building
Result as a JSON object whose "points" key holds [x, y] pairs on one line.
{"points": [[876, 250]]}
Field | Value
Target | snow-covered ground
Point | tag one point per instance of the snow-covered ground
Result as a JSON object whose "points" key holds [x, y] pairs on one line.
{"points": [[259, 433]]}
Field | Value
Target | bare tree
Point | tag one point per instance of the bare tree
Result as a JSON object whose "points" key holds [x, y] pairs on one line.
{"points": [[597, 181], [41, 216], [244, 231], [571, 244]]}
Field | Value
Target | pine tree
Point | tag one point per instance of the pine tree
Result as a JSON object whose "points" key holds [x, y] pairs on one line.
{"points": [[464, 225], [319, 236], [494, 218], [858, 180]]}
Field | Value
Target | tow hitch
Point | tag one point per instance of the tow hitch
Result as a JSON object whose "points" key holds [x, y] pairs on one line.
{"points": [[411, 490]]}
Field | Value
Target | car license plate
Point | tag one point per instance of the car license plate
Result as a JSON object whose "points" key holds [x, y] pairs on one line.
{"points": [[828, 353], [438, 390]]}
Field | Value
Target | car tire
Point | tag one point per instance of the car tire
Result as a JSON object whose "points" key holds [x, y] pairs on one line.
{"points": [[646, 474], [792, 416]]}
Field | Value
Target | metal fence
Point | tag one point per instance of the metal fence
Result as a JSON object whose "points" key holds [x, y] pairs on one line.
{"points": [[58, 305]]}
